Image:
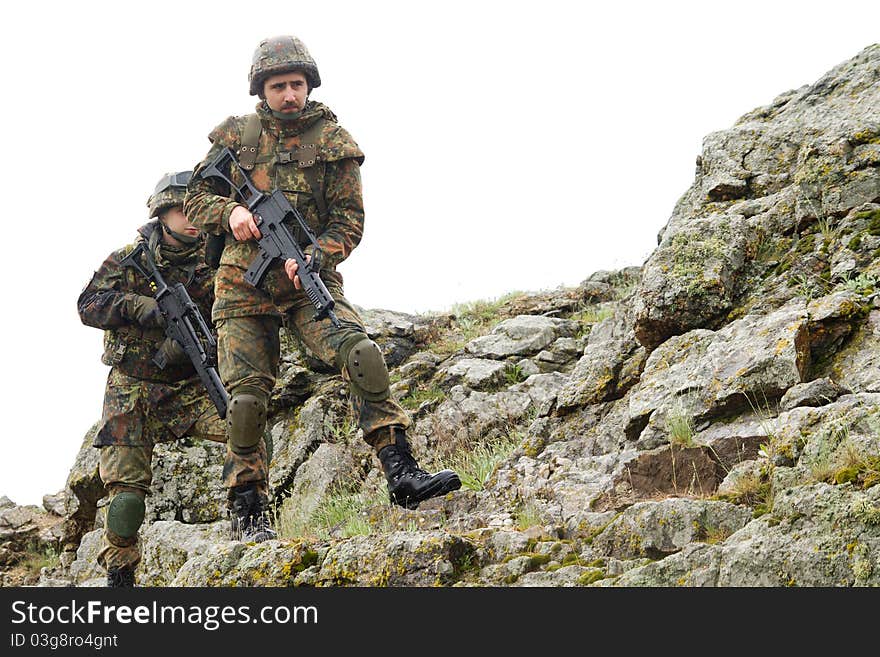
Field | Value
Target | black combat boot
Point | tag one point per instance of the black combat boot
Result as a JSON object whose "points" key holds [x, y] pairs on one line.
{"points": [[122, 577], [408, 484], [250, 521]]}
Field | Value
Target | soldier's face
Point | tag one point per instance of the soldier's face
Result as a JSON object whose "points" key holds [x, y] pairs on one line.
{"points": [[177, 221], [286, 92]]}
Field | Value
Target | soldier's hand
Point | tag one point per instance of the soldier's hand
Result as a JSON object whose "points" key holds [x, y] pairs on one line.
{"points": [[290, 267], [171, 353], [145, 311], [243, 225]]}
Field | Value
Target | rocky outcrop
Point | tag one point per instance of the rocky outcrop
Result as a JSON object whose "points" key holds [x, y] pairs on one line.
{"points": [[818, 535], [30, 538], [779, 190]]}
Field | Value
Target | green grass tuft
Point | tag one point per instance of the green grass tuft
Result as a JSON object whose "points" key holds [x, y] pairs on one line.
{"points": [[477, 466]]}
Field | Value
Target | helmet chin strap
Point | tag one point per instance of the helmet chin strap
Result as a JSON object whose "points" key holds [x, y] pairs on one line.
{"points": [[185, 239]]}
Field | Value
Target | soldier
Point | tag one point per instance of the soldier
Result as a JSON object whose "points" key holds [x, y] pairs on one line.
{"points": [[145, 404], [296, 145]]}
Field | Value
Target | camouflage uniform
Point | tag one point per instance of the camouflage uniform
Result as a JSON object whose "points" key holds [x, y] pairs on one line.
{"points": [[143, 404], [248, 318], [315, 163]]}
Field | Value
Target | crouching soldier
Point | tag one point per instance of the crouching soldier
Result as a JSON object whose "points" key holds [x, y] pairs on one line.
{"points": [[145, 404]]}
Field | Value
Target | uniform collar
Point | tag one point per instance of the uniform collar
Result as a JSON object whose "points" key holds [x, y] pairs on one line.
{"points": [[309, 114]]}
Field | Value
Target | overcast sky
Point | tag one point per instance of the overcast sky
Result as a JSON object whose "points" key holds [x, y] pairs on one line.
{"points": [[509, 146]]}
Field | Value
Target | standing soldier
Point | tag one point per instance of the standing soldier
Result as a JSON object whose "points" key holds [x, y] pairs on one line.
{"points": [[145, 404], [296, 145]]}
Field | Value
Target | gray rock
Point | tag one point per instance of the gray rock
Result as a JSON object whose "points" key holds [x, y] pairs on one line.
{"points": [[400, 559], [187, 482], [656, 529], [57, 503], [523, 335], [810, 145], [25, 530], [528, 367], [692, 277], [330, 467], [85, 566], [566, 348], [295, 435], [572, 575], [420, 365], [399, 335], [740, 439], [386, 322], [477, 372], [857, 366], [724, 176], [506, 543], [830, 438], [741, 476], [168, 545], [474, 414], [814, 393], [543, 390], [702, 374], [782, 477], [817, 535], [605, 371], [86, 489], [696, 565], [18, 520], [271, 563]]}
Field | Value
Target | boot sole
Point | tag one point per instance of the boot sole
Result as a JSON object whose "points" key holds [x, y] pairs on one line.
{"points": [[440, 486]]}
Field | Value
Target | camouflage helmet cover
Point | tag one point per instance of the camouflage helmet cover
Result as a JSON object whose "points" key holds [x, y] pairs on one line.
{"points": [[280, 54], [169, 192]]}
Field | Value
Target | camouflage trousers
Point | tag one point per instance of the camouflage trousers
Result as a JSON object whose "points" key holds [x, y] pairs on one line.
{"points": [[249, 347], [125, 465]]}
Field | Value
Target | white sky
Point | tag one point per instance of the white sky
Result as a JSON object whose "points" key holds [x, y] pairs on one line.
{"points": [[509, 146]]}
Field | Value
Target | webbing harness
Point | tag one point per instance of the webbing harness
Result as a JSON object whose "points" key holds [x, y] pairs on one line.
{"points": [[305, 155]]}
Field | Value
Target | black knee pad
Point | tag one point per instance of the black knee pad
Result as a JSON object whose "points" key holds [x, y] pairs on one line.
{"points": [[245, 421], [125, 515]]}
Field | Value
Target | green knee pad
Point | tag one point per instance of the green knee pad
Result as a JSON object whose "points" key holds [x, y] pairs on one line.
{"points": [[367, 371], [125, 514], [245, 421]]}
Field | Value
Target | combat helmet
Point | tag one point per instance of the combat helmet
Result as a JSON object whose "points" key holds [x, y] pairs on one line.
{"points": [[169, 192], [280, 54]]}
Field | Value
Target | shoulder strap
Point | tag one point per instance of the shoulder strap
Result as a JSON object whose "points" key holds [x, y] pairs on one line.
{"points": [[250, 141], [307, 157]]}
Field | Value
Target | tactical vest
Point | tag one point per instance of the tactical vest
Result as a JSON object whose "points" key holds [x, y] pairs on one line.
{"points": [[305, 156], [130, 349]]}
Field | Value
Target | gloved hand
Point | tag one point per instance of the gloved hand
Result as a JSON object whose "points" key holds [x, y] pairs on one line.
{"points": [[170, 353], [145, 311]]}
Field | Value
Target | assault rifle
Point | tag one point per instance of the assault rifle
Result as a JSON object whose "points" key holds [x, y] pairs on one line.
{"points": [[277, 243], [184, 324]]}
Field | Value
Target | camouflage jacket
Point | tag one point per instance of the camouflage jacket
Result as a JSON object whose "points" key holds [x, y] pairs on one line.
{"points": [[208, 203], [103, 303]]}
